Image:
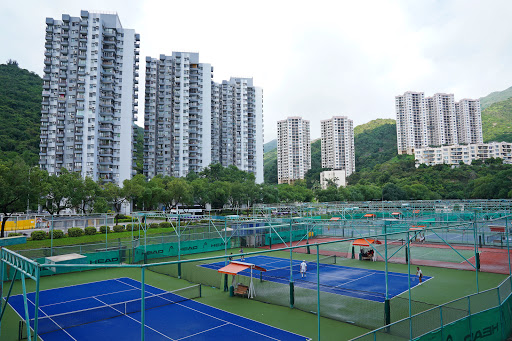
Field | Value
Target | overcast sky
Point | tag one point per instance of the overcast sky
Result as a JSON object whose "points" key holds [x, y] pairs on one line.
{"points": [[313, 59]]}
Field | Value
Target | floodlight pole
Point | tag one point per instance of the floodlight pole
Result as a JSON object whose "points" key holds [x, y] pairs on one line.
{"points": [[387, 308], [51, 239]]}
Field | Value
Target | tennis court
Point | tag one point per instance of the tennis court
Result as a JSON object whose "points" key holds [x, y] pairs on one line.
{"points": [[337, 279], [111, 310]]}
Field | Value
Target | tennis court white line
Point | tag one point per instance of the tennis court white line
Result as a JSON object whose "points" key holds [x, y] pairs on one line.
{"points": [[357, 279], [217, 318], [204, 331], [145, 325], [65, 331]]}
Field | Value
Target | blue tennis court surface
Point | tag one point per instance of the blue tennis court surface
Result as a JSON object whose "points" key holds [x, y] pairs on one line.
{"points": [[336, 279], [106, 310]]}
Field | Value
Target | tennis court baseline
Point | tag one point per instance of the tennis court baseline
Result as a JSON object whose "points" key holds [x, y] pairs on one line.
{"points": [[110, 310], [343, 280]]}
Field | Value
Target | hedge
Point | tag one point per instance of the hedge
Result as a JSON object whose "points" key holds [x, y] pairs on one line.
{"points": [[154, 225], [165, 224], [75, 232], [38, 235], [57, 234], [118, 228], [90, 230], [103, 229], [14, 234]]}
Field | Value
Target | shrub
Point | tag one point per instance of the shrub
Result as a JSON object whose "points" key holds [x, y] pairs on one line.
{"points": [[129, 227], [14, 234], [118, 228], [165, 224], [124, 220], [154, 225], [90, 230], [57, 234], [103, 229], [38, 235], [75, 232]]}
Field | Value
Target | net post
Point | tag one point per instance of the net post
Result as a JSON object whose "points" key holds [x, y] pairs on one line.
{"points": [[477, 260], [225, 282], [179, 270], [200, 290], [25, 305]]}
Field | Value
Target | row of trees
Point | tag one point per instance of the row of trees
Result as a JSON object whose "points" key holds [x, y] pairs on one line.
{"points": [[23, 187]]}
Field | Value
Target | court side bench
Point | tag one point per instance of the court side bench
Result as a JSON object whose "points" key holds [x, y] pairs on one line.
{"points": [[242, 290]]}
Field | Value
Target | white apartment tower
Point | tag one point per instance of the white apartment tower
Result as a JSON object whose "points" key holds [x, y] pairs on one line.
{"points": [[442, 120], [436, 121], [177, 115], [293, 149], [469, 121], [191, 121], [240, 126], [89, 97], [411, 122], [338, 144]]}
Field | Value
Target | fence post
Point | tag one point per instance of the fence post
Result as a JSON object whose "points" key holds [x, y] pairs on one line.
{"points": [[441, 319], [142, 305], [292, 291], [318, 288]]}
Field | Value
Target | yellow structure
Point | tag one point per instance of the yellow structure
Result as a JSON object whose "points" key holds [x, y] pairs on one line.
{"points": [[12, 225]]}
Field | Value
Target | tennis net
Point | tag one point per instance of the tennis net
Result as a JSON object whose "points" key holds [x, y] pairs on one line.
{"points": [[284, 272], [52, 323]]}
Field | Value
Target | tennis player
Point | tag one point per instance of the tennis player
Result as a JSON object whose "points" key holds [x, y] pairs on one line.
{"points": [[242, 253], [303, 268], [419, 274]]}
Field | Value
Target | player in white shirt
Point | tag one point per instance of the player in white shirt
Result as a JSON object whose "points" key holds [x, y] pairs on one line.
{"points": [[419, 274], [303, 268]]}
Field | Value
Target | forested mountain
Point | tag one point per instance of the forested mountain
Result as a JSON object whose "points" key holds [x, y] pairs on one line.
{"points": [[270, 145], [495, 97], [20, 112], [374, 143], [497, 122]]}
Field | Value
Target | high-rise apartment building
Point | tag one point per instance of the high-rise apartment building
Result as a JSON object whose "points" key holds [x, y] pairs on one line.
{"points": [[338, 144], [89, 97], [191, 121], [240, 129], [293, 149], [411, 122], [177, 115], [442, 120], [469, 121], [436, 121]]}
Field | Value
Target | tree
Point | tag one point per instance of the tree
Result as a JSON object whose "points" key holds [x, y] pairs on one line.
{"points": [[178, 191], [115, 196], [59, 191], [19, 185]]}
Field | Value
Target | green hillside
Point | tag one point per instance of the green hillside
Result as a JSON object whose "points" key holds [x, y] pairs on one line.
{"points": [[270, 166], [372, 125], [270, 145], [495, 97], [497, 122], [20, 112], [374, 143]]}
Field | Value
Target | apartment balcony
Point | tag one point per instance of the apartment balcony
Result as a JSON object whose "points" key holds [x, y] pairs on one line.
{"points": [[48, 53]]}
